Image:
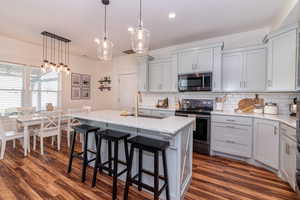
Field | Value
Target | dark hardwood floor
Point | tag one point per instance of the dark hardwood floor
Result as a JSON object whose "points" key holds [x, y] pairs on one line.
{"points": [[44, 177]]}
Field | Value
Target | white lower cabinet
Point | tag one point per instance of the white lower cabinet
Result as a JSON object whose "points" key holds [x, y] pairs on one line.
{"points": [[231, 138], [266, 142], [288, 149]]}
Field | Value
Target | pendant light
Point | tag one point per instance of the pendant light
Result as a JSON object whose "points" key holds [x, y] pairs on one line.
{"points": [[140, 37], [59, 62], [105, 47]]}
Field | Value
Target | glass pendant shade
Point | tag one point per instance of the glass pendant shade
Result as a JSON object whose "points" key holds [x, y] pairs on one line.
{"points": [[105, 50], [140, 40]]}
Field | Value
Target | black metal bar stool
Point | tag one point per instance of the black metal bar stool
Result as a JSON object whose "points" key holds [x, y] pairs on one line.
{"points": [[85, 130], [154, 146], [115, 137]]}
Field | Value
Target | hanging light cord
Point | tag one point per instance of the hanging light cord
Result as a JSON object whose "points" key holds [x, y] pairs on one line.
{"points": [[141, 13], [105, 33]]}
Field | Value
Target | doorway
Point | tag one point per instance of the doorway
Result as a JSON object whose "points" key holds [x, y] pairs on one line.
{"points": [[127, 91]]}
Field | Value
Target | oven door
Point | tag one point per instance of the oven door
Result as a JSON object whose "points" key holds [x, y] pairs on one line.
{"points": [[202, 129]]}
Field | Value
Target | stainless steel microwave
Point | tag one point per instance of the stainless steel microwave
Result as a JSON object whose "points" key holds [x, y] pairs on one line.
{"points": [[195, 82]]}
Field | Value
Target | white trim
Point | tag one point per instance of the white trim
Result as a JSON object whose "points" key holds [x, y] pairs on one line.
{"points": [[249, 48]]}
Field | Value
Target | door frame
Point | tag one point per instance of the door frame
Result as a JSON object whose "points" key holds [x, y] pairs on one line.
{"points": [[119, 89]]}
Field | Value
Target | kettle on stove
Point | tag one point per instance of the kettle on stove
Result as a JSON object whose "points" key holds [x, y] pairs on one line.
{"points": [[293, 107]]}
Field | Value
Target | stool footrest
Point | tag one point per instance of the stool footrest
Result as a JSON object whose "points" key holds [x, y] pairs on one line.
{"points": [[91, 151], [152, 174], [146, 186], [119, 161]]}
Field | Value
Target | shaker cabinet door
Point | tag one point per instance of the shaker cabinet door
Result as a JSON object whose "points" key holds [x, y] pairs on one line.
{"points": [[232, 72], [255, 70], [266, 142], [187, 62], [142, 72], [204, 60], [155, 77], [282, 62]]}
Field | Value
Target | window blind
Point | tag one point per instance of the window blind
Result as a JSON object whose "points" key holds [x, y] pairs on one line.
{"points": [[44, 88], [11, 86]]}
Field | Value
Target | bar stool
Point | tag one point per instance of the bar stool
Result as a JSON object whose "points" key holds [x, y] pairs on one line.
{"points": [[115, 137], [85, 130], [154, 146]]}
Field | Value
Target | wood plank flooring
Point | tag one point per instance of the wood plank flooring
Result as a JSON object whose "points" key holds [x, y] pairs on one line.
{"points": [[44, 177]]}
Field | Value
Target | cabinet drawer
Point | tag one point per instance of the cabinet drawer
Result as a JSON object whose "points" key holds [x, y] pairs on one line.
{"points": [[232, 119], [232, 148], [288, 131], [233, 133], [145, 112], [232, 139]]}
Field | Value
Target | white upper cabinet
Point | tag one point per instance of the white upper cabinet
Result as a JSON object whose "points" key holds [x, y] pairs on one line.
{"points": [[244, 69], [187, 62], [266, 142], [174, 73], [155, 76], [232, 71], [142, 72], [204, 61], [163, 75], [282, 61], [255, 70], [200, 59], [217, 70]]}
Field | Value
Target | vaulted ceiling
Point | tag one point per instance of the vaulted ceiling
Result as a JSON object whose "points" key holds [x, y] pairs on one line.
{"points": [[82, 20]]}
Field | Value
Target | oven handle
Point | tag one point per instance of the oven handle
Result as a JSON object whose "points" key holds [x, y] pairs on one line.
{"points": [[193, 116]]}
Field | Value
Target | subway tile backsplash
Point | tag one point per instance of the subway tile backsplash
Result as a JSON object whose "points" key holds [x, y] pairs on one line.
{"points": [[282, 99]]}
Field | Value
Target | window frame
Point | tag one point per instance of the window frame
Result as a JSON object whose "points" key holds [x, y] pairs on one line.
{"points": [[26, 91]]}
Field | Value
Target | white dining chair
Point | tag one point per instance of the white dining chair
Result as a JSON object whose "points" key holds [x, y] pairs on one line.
{"points": [[74, 122], [8, 132], [50, 127]]}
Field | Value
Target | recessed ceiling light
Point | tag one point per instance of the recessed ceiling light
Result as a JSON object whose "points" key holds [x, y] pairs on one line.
{"points": [[97, 40], [172, 15], [130, 29]]}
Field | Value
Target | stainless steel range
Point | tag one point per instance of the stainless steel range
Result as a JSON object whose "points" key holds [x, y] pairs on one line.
{"points": [[200, 109]]}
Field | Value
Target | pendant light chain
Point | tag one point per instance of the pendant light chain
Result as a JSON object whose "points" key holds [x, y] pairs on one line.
{"points": [[105, 18]]}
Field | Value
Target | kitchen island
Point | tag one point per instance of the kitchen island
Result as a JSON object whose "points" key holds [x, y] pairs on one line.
{"points": [[177, 130]]}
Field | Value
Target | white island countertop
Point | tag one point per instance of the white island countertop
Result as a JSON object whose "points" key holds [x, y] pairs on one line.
{"points": [[170, 125], [286, 119]]}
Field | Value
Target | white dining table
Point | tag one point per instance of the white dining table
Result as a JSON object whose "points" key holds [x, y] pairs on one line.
{"points": [[28, 121]]}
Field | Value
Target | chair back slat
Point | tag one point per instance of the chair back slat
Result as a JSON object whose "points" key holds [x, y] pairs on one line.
{"points": [[50, 121], [7, 124]]}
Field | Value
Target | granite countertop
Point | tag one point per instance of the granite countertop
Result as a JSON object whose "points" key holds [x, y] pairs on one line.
{"points": [[170, 125], [286, 119]]}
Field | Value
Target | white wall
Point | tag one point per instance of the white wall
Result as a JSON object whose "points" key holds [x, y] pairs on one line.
{"points": [[16, 51]]}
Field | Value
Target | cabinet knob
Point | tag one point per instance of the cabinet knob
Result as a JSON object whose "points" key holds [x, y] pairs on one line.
{"points": [[287, 149]]}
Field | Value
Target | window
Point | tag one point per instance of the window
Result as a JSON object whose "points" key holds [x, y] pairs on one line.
{"points": [[44, 88], [11, 86], [39, 89]]}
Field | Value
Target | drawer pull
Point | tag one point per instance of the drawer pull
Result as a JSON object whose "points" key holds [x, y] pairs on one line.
{"points": [[230, 120], [230, 127], [287, 149], [230, 142]]}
